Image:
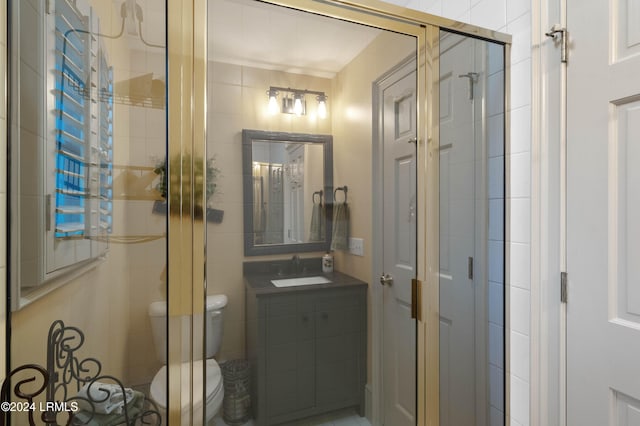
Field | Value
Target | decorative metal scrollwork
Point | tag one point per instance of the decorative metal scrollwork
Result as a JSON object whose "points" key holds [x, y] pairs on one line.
{"points": [[77, 393], [22, 389]]}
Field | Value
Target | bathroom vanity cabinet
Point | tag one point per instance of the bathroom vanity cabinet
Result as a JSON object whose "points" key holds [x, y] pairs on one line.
{"points": [[306, 346]]}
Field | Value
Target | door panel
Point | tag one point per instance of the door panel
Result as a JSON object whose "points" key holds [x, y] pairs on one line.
{"points": [[399, 240], [603, 315]]}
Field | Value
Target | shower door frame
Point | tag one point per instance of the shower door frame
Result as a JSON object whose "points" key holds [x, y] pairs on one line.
{"points": [[187, 106], [186, 287]]}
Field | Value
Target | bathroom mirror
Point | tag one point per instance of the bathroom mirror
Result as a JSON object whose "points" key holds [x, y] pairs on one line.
{"points": [[288, 192]]}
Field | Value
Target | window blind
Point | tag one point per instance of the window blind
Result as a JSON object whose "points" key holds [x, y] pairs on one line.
{"points": [[83, 127]]}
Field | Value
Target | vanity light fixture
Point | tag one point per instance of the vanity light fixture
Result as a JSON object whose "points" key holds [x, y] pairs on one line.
{"points": [[294, 101]]}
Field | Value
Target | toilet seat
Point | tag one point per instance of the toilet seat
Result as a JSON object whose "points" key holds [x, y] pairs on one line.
{"points": [[215, 388]]}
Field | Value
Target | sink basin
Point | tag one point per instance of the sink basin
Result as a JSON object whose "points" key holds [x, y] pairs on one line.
{"points": [[292, 282]]}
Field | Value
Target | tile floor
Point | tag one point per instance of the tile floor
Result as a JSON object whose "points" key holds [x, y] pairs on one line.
{"points": [[337, 418], [346, 417]]}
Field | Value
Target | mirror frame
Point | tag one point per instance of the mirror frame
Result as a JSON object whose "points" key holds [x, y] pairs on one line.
{"points": [[248, 136]]}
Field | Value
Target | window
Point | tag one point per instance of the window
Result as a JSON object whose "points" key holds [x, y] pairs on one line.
{"points": [[62, 140], [82, 125]]}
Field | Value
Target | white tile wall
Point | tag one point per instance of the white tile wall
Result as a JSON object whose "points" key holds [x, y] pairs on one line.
{"points": [[520, 255], [456, 8], [519, 401], [431, 6], [520, 355], [512, 16], [516, 8], [520, 220], [520, 129], [520, 30], [490, 14], [521, 175], [520, 308]]}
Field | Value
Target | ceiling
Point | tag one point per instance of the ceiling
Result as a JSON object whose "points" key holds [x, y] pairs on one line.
{"points": [[253, 33], [248, 32]]}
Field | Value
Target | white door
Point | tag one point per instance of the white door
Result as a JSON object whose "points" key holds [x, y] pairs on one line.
{"points": [[457, 233], [399, 247], [603, 213]]}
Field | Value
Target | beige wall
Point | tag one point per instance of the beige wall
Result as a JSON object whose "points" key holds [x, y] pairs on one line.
{"points": [[353, 137], [353, 141], [240, 102]]}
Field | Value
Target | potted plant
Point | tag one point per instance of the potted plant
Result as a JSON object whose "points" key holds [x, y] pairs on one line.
{"points": [[213, 172]]}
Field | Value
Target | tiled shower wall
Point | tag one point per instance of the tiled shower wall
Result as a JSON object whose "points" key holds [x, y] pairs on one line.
{"points": [[512, 17]]}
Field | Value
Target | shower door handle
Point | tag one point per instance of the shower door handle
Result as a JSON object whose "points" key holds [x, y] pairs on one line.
{"points": [[473, 79], [386, 279]]}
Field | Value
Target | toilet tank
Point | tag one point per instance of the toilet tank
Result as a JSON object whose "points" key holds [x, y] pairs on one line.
{"points": [[214, 323], [158, 318], [215, 305]]}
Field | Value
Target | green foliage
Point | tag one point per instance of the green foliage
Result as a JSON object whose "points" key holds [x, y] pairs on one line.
{"points": [[212, 175]]}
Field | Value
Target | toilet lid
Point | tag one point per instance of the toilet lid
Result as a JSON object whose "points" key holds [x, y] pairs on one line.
{"points": [[158, 390]]}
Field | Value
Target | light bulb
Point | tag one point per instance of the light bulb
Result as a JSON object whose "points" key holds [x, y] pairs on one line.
{"points": [[273, 102], [273, 105], [322, 109], [297, 105], [322, 105]]}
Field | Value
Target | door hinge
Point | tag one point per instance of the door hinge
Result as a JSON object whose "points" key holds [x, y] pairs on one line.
{"points": [[559, 35], [470, 268], [563, 287], [416, 299], [48, 7]]}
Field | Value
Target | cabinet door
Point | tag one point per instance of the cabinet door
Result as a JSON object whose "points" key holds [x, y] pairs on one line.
{"points": [[338, 342], [290, 351]]}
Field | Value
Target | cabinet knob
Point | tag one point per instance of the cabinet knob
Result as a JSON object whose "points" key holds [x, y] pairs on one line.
{"points": [[325, 315], [305, 318]]}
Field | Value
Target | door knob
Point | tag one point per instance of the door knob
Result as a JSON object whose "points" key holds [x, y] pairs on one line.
{"points": [[386, 279]]}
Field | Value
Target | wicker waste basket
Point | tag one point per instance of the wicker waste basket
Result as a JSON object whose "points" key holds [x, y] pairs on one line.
{"points": [[236, 405]]}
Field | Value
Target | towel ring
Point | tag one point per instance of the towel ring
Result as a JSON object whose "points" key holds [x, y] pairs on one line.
{"points": [[343, 189], [313, 197]]}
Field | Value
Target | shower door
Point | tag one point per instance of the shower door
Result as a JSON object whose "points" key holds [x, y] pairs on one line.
{"points": [[256, 49], [104, 215], [471, 231]]}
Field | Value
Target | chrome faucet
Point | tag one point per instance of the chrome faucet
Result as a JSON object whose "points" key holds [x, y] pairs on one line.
{"points": [[295, 264]]}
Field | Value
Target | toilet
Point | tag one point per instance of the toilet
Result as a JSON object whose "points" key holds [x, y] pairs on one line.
{"points": [[213, 326]]}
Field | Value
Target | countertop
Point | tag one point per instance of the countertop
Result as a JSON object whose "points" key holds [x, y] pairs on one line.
{"points": [[260, 283]]}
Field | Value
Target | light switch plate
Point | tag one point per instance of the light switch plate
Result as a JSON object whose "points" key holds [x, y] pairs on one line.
{"points": [[356, 246]]}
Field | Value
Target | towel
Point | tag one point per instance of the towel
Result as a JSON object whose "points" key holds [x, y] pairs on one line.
{"points": [[317, 223], [134, 410], [107, 398], [340, 234]]}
